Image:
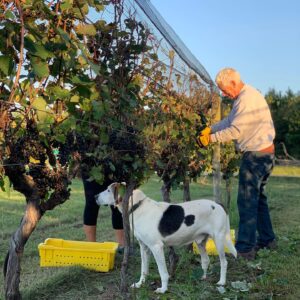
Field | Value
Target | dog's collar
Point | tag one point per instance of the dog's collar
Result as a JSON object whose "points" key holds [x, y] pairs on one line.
{"points": [[136, 206]]}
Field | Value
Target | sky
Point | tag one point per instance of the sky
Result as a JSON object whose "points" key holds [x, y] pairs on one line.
{"points": [[259, 38]]}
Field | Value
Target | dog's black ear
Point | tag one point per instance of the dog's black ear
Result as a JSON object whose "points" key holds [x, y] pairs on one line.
{"points": [[115, 188]]}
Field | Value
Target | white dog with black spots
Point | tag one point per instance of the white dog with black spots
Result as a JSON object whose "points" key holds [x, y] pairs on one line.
{"points": [[159, 224]]}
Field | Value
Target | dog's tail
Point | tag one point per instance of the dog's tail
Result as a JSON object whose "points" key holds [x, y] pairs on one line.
{"points": [[228, 240]]}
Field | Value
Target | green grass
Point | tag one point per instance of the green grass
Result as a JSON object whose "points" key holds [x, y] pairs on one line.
{"points": [[273, 275]]}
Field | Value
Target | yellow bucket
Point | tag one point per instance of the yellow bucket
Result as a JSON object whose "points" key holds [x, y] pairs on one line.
{"points": [[211, 247], [62, 253]]}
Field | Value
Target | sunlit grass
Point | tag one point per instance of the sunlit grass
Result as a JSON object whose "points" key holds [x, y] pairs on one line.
{"points": [[286, 171]]}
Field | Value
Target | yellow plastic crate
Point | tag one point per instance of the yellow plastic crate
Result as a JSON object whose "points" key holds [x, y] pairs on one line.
{"points": [[63, 253], [211, 247]]}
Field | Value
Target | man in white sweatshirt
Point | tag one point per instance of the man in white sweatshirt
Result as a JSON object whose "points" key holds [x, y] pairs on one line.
{"points": [[250, 126]]}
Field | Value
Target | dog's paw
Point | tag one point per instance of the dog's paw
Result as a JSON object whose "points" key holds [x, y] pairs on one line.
{"points": [[136, 285], [221, 282], [160, 290]]}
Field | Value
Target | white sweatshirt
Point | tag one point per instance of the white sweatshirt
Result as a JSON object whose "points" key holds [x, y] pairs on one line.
{"points": [[249, 123]]}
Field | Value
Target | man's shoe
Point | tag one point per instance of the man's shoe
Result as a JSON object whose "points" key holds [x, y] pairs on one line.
{"points": [[271, 246], [250, 255]]}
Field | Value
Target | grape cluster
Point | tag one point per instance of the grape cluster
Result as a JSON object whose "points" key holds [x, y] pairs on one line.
{"points": [[41, 179], [117, 156], [74, 143], [29, 147], [28, 157], [126, 142], [64, 154], [171, 167]]}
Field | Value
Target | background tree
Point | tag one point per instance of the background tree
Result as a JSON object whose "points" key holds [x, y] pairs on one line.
{"points": [[285, 112]]}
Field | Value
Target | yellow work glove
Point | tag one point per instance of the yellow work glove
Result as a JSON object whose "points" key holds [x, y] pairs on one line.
{"points": [[205, 131], [203, 138]]}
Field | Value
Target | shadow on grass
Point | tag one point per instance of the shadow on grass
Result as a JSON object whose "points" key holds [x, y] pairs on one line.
{"points": [[75, 283]]}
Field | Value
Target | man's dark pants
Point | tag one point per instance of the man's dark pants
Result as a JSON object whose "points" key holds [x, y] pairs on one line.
{"points": [[255, 170]]}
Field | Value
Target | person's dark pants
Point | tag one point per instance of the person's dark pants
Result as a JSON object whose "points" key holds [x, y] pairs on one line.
{"points": [[255, 170], [91, 209]]}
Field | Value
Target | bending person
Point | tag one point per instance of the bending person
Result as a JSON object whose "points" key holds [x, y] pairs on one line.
{"points": [[91, 210], [250, 126]]}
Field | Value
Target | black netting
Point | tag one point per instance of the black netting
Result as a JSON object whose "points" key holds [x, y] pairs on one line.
{"points": [[174, 41], [183, 67]]}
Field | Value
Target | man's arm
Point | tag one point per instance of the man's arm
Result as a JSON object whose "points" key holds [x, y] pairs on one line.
{"points": [[220, 125], [230, 128]]}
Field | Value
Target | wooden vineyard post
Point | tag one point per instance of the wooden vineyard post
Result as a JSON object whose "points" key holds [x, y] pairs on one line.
{"points": [[216, 158]]}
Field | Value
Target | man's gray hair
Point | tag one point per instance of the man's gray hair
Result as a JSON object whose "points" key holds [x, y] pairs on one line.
{"points": [[226, 75]]}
